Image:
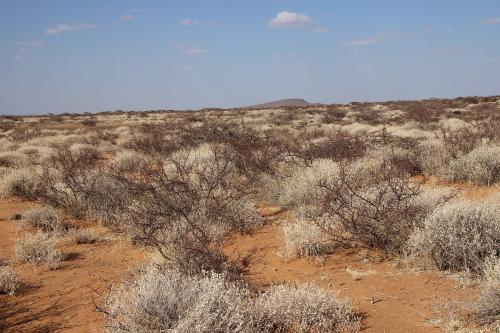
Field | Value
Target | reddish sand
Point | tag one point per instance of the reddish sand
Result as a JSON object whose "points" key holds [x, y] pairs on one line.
{"points": [[391, 299], [62, 300]]}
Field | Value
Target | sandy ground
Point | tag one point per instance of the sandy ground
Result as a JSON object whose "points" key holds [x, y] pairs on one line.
{"points": [[391, 299], [62, 300]]}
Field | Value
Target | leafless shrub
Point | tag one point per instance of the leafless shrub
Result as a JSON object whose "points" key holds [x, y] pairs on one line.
{"points": [[37, 249], [68, 179], [45, 219], [9, 280], [458, 236], [374, 207], [185, 207]]}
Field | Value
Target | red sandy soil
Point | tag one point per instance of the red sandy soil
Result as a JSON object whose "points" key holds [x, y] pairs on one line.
{"points": [[391, 299], [61, 300]]}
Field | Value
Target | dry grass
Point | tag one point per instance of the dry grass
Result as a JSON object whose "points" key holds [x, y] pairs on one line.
{"points": [[38, 249]]}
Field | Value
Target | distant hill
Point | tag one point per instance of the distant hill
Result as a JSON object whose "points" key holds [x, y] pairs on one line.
{"points": [[281, 102]]}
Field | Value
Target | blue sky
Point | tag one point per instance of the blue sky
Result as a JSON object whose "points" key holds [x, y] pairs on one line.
{"points": [[88, 56]]}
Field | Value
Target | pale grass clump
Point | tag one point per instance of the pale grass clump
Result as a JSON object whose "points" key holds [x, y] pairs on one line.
{"points": [[83, 236], [37, 249], [9, 280], [169, 301], [303, 238], [306, 308], [13, 159], [433, 156], [480, 166], [300, 187], [83, 149], [45, 219], [129, 161], [487, 306], [22, 182], [458, 236]]}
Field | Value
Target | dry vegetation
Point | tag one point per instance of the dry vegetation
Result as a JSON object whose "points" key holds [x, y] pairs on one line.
{"points": [[181, 183]]}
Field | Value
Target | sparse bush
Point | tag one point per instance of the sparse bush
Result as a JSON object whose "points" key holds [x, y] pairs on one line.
{"points": [[487, 306], [371, 206], [303, 238], [83, 236], [306, 308], [458, 236], [164, 301], [129, 161], [9, 280], [480, 166], [24, 183], [37, 249], [45, 219], [12, 159]]}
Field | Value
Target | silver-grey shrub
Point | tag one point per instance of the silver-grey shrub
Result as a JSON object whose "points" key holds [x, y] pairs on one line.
{"points": [[169, 301], [458, 236], [480, 166], [45, 219]]}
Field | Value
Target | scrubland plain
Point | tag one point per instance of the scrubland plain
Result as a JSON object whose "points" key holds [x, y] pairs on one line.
{"points": [[376, 217]]}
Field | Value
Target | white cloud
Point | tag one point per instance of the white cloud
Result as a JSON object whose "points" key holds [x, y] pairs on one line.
{"points": [[61, 28], [491, 21], [287, 19], [371, 40], [126, 18], [30, 44], [185, 22], [290, 20], [189, 49]]}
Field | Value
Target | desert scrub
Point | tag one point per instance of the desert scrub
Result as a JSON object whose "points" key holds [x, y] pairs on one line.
{"points": [[24, 183], [481, 166], [306, 308], [169, 301], [303, 238], [83, 236], [9, 280], [45, 219], [458, 236], [37, 249], [487, 306], [13, 159]]}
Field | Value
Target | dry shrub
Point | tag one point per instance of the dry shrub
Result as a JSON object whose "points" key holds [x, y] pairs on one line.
{"points": [[368, 204], [45, 219], [306, 308], [458, 236], [168, 301], [9, 280], [37, 249], [185, 207], [480, 166], [487, 306], [299, 188], [303, 238], [433, 157], [24, 183], [129, 161], [83, 236], [13, 159]]}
